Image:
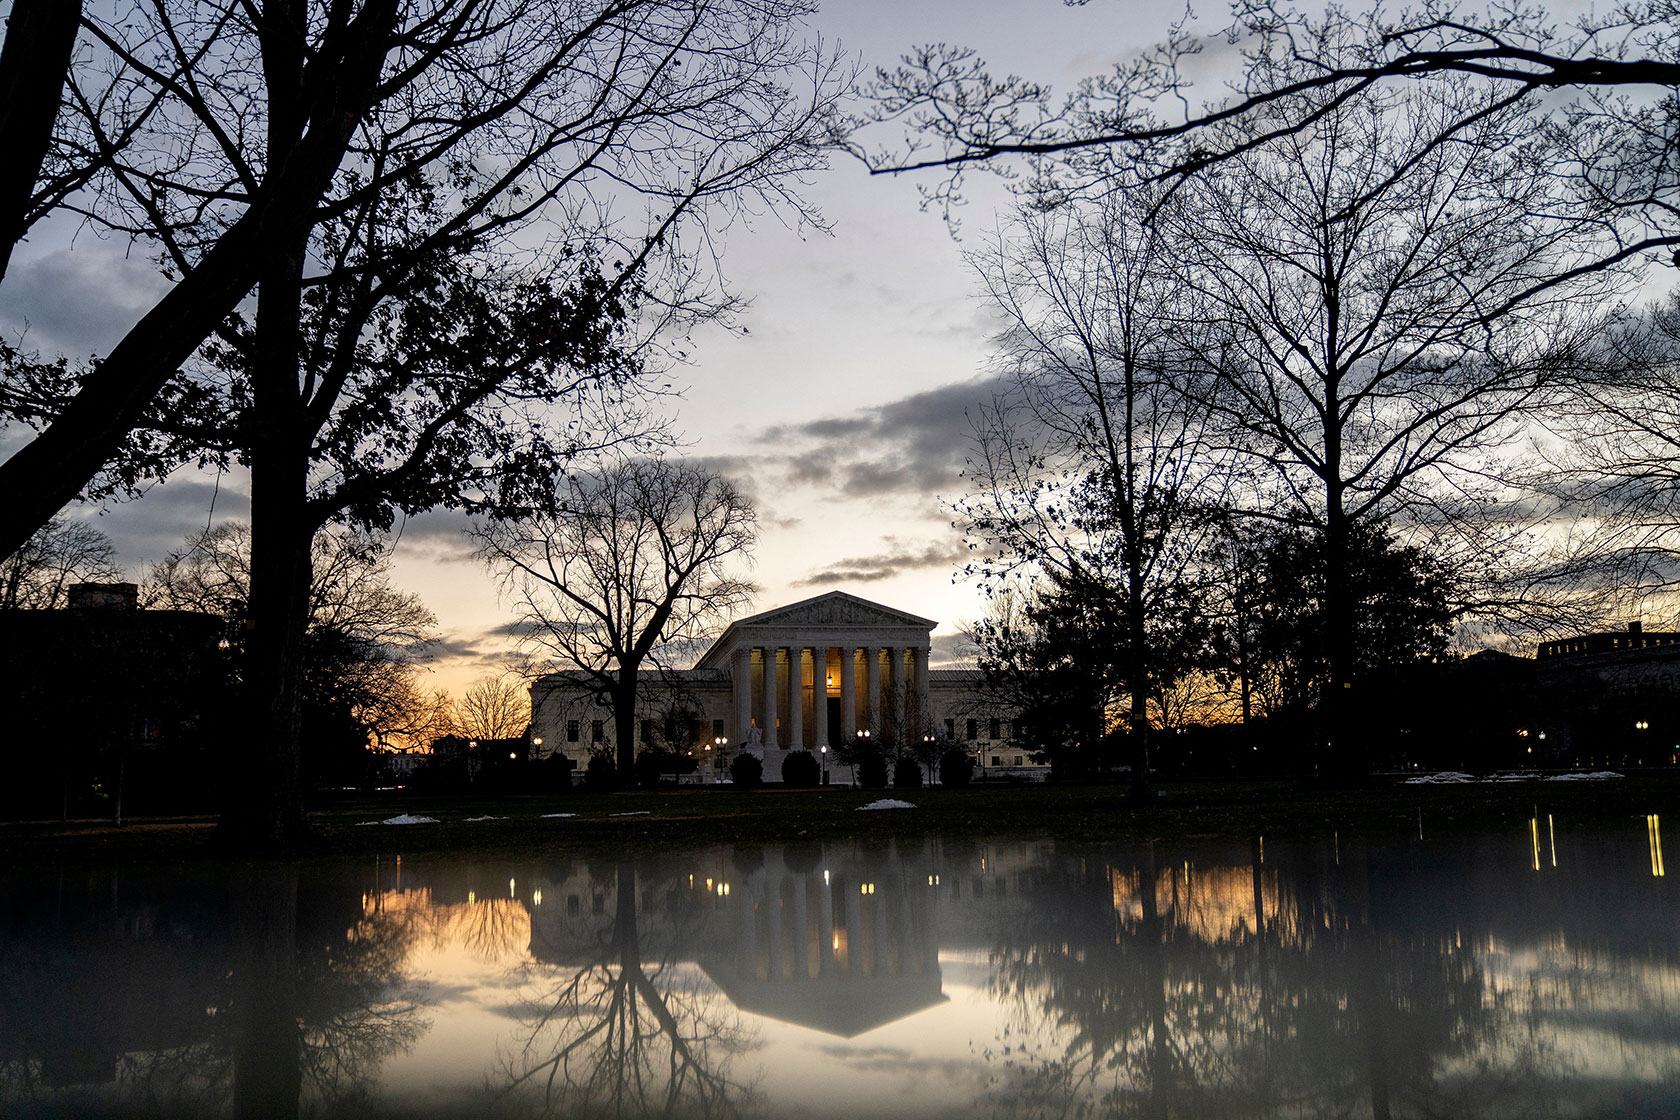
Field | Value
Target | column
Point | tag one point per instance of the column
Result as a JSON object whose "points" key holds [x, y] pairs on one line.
{"points": [[796, 699], [848, 695], [924, 708], [771, 739], [900, 714], [741, 670], [872, 675], [819, 697]]}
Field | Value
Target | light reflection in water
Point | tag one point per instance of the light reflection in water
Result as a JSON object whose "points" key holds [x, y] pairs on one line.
{"points": [[829, 980], [1654, 827]]}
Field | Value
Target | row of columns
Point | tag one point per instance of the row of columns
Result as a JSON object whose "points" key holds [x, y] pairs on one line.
{"points": [[741, 669]]}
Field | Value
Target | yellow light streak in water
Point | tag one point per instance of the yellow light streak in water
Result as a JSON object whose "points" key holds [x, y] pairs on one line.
{"points": [[1653, 826], [1534, 843], [1551, 837]]}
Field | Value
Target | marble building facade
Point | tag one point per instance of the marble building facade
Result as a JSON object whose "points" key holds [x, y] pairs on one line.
{"points": [[806, 676]]}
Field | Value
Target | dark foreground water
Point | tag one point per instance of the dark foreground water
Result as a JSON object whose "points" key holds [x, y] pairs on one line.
{"points": [[1530, 974]]}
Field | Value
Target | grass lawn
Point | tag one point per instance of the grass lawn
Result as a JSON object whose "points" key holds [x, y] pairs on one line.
{"points": [[640, 821]]}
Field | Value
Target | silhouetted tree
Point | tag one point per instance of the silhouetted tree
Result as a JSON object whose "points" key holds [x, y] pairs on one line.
{"points": [[231, 140], [1348, 272], [1273, 632], [494, 708], [62, 552], [360, 650], [621, 568], [1093, 469], [628, 1030], [1604, 81]]}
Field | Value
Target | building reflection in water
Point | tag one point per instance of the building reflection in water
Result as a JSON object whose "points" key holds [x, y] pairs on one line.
{"points": [[1531, 973]]}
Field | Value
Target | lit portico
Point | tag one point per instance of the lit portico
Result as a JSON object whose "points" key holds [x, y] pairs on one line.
{"points": [[818, 672], [795, 673]]}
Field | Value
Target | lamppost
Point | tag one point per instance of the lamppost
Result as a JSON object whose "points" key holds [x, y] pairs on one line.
{"points": [[536, 748], [823, 750], [719, 742], [863, 738]]}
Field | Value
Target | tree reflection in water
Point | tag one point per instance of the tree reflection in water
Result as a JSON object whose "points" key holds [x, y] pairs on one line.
{"points": [[1284, 988], [262, 994], [618, 1021]]}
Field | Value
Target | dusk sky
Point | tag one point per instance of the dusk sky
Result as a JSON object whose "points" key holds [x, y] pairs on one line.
{"points": [[842, 412]]}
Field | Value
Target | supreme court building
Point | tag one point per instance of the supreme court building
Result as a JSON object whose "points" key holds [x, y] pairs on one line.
{"points": [[807, 676]]}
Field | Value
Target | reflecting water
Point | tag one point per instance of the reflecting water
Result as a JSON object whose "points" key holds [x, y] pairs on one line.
{"points": [[1521, 975]]}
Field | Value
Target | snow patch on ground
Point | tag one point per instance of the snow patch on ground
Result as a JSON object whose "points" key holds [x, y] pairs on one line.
{"points": [[1453, 777], [551, 816], [404, 818], [637, 813], [886, 803], [484, 818]]}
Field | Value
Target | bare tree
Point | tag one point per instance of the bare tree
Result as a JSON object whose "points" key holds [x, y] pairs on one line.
{"points": [[624, 568], [1618, 468], [364, 640], [494, 708], [1604, 80], [1352, 272], [1093, 468], [627, 1030], [62, 552]]}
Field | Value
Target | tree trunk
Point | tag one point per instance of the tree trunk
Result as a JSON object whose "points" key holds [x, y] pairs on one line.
{"points": [[267, 1076], [1337, 752], [40, 35], [50, 471], [624, 722], [268, 814]]}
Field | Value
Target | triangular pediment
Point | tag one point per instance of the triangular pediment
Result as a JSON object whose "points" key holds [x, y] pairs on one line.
{"points": [[836, 608], [835, 618]]}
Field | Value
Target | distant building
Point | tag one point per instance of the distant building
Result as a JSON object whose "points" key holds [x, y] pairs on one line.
{"points": [[106, 696], [808, 676], [1629, 659]]}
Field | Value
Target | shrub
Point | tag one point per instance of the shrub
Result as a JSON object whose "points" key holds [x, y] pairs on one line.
{"points": [[956, 768], [906, 774], [747, 771], [800, 770], [647, 769], [872, 772], [601, 773]]}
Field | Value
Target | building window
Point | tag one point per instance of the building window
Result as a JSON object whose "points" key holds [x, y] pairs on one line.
{"points": [[647, 732], [571, 731], [973, 730], [950, 729], [597, 731], [717, 729], [994, 729], [997, 760], [1019, 761]]}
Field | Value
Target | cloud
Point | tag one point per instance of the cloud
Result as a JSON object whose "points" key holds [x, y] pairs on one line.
{"points": [[160, 521], [897, 1060], [913, 445], [900, 557], [952, 651], [439, 535], [78, 301]]}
